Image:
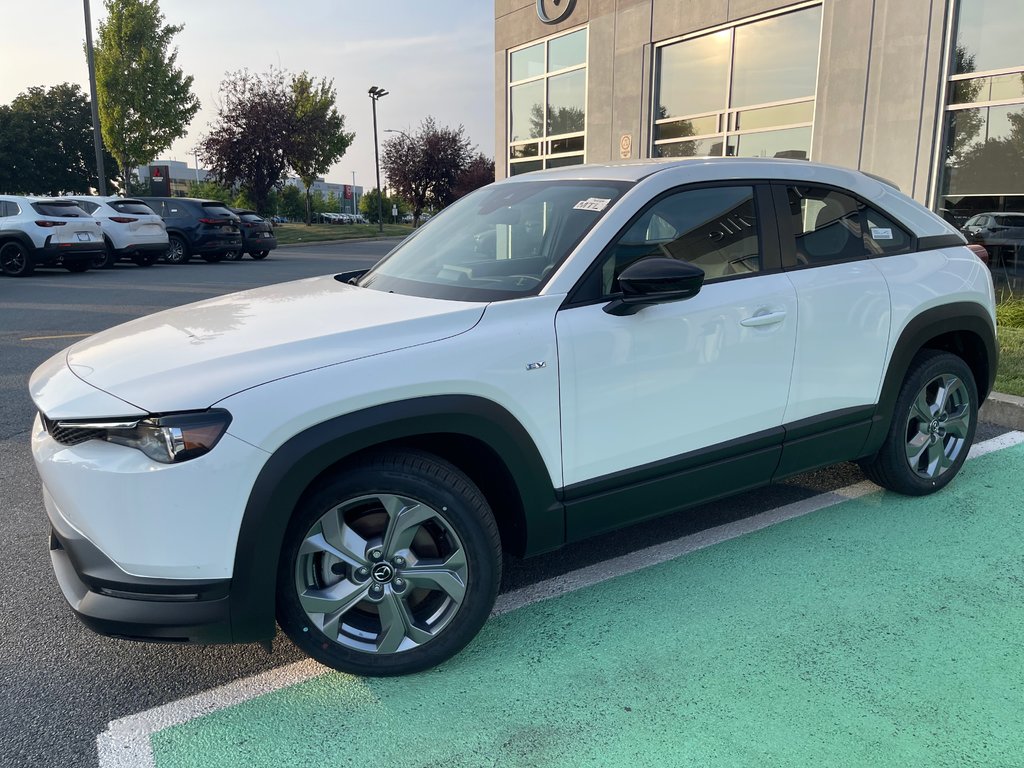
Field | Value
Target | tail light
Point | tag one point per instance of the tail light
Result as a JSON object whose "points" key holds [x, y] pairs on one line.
{"points": [[249, 224], [214, 221], [122, 219], [46, 223]]}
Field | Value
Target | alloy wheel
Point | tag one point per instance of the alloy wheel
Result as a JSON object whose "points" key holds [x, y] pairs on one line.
{"points": [[381, 573], [938, 426]]}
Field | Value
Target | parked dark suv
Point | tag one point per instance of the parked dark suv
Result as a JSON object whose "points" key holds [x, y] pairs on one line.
{"points": [[1002, 234], [257, 235], [196, 227]]}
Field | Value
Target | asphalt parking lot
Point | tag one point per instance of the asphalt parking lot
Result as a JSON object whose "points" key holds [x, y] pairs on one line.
{"points": [[631, 643]]}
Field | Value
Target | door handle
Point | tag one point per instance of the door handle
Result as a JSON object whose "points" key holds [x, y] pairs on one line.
{"points": [[767, 318]]}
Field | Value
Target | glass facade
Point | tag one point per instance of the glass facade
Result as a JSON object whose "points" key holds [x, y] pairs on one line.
{"points": [[982, 162], [746, 91], [547, 97]]}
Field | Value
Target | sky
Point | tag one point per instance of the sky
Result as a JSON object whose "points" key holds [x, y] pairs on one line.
{"points": [[435, 58]]}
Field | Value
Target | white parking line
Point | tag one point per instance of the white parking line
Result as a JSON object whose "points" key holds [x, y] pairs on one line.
{"points": [[126, 742]]}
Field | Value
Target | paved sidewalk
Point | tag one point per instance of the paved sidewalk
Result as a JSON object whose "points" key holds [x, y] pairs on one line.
{"points": [[884, 631]]}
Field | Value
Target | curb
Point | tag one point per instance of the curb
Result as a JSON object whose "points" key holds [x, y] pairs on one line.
{"points": [[396, 238], [1004, 410]]}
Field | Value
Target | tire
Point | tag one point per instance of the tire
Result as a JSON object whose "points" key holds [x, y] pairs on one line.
{"points": [[79, 266], [15, 260], [233, 256], [107, 260], [389, 607], [213, 258], [177, 250], [146, 260], [933, 425], [259, 255]]}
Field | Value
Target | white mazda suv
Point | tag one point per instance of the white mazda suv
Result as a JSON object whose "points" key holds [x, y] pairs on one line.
{"points": [[556, 355]]}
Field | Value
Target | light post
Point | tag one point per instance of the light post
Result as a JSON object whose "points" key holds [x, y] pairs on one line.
{"points": [[97, 140], [376, 93]]}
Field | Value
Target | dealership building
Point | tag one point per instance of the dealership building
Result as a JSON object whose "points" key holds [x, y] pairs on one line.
{"points": [[927, 93]]}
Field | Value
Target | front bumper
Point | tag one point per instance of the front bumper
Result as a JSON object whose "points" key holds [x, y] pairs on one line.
{"points": [[110, 602]]}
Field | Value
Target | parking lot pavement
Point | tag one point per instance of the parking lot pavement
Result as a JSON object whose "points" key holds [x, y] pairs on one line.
{"points": [[881, 630]]}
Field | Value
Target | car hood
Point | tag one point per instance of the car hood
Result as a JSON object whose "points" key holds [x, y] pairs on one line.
{"points": [[193, 356]]}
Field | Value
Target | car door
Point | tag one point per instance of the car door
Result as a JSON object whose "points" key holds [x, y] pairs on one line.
{"points": [[681, 401], [829, 240]]}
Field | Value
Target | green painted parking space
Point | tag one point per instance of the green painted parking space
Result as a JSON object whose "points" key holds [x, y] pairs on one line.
{"points": [[884, 631]]}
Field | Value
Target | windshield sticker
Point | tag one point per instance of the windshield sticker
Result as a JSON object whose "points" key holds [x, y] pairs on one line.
{"points": [[881, 233], [592, 204]]}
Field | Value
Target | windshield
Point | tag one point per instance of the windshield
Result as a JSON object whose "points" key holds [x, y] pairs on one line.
{"points": [[500, 242]]}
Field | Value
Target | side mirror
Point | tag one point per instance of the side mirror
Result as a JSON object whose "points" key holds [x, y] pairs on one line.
{"points": [[655, 281]]}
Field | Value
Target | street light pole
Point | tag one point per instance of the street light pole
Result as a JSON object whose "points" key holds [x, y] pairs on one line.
{"points": [[97, 139], [375, 94]]}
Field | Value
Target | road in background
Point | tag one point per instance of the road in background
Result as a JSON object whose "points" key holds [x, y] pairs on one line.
{"points": [[61, 683]]}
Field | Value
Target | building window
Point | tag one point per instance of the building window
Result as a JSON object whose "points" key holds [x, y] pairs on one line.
{"points": [[982, 164], [747, 90], [547, 96]]}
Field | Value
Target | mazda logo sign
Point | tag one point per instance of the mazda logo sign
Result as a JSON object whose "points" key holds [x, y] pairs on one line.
{"points": [[554, 11]]}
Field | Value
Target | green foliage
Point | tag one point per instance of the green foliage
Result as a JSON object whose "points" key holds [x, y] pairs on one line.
{"points": [[291, 203], [368, 206], [242, 200], [145, 101], [1010, 376], [318, 138], [46, 145], [210, 190], [1010, 313]]}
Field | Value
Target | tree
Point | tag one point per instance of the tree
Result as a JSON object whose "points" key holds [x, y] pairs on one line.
{"points": [[424, 167], [479, 172], [319, 138], [46, 142], [210, 190], [145, 101], [291, 202], [368, 206], [248, 144]]}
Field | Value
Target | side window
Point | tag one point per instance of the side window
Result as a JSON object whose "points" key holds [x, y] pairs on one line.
{"points": [[830, 227], [883, 236], [172, 209], [89, 208], [3, 209], [713, 228]]}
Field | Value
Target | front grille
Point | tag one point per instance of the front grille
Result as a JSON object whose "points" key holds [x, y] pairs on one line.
{"points": [[71, 435]]}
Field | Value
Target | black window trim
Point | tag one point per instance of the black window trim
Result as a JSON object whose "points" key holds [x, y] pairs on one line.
{"points": [[767, 233]]}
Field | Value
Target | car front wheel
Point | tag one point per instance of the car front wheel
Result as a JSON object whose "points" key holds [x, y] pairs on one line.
{"points": [[177, 250], [932, 427], [258, 255], [390, 568]]}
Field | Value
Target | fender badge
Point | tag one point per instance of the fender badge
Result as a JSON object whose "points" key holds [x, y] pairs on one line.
{"points": [[535, 366]]}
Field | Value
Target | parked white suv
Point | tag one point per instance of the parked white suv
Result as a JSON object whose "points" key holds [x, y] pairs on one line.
{"points": [[41, 232], [556, 355], [131, 229]]}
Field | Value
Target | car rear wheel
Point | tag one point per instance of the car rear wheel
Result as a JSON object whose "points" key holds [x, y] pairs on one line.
{"points": [[233, 256], [177, 250], [258, 255], [389, 568], [932, 427], [14, 259], [107, 260]]}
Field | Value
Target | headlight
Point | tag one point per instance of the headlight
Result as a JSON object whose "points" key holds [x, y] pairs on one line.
{"points": [[169, 439]]}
